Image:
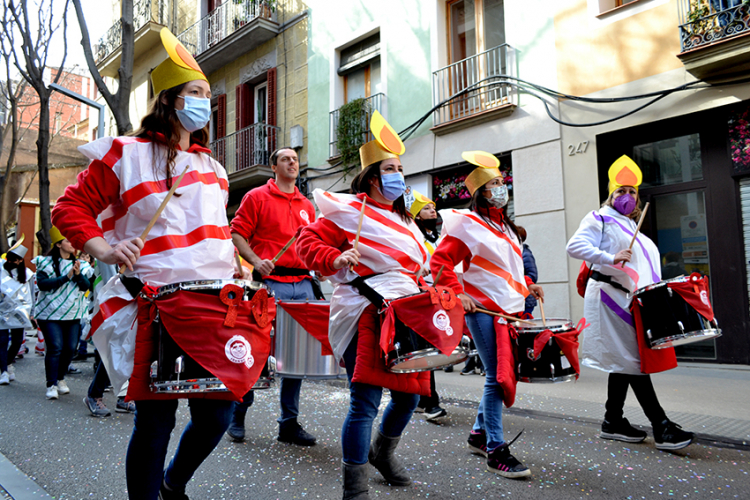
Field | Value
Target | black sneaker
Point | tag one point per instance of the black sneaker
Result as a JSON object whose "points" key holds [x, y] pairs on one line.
{"points": [[478, 443], [434, 413], [622, 431], [468, 370], [291, 432], [448, 369], [166, 494], [670, 436], [501, 462]]}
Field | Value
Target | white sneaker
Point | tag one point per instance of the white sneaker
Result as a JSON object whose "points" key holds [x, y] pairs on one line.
{"points": [[4, 378], [11, 372], [52, 392], [62, 387]]}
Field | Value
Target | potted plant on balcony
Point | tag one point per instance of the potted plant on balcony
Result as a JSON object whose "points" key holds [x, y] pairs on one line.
{"points": [[352, 130]]}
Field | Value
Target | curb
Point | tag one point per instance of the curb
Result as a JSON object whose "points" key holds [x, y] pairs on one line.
{"points": [[18, 485]]}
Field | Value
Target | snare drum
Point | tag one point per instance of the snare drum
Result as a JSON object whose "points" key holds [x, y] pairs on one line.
{"points": [[549, 366], [298, 354], [175, 372], [413, 353], [668, 320]]}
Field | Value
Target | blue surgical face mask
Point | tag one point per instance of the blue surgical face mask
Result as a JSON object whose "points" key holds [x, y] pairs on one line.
{"points": [[499, 196], [393, 185], [196, 113]]}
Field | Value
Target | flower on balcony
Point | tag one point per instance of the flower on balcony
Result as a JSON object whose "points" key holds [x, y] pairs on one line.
{"points": [[739, 139]]}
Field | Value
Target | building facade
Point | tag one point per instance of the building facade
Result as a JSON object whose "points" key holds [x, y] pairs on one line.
{"points": [[692, 145]]}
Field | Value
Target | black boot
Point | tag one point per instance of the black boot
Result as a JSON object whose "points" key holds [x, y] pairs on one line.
{"points": [[236, 429], [382, 457], [291, 432], [355, 481]]}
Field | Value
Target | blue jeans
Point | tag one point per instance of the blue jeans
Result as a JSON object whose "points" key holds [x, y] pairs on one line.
{"points": [[61, 338], [490, 414], [147, 451], [290, 387], [8, 353], [364, 400]]}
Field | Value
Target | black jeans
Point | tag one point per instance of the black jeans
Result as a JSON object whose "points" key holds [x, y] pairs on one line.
{"points": [[433, 400], [617, 390], [8, 354], [100, 382]]}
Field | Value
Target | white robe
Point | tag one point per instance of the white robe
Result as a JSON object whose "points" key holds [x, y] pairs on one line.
{"points": [[610, 343]]}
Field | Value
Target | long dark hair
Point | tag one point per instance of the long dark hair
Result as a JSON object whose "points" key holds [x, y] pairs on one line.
{"points": [[481, 206], [361, 184], [54, 252], [162, 119], [20, 267]]}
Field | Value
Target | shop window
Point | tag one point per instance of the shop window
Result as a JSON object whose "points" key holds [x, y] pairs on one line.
{"points": [[670, 161], [739, 140], [449, 190]]}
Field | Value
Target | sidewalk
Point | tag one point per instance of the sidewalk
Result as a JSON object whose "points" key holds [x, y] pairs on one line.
{"points": [[711, 400]]}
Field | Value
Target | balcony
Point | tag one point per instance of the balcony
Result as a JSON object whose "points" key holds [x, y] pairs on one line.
{"points": [[714, 38], [232, 29], [482, 97], [369, 105], [245, 154], [149, 16]]}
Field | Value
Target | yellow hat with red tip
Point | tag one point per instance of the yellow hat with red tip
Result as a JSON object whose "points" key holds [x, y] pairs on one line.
{"points": [[387, 144], [624, 172], [181, 67], [487, 170], [55, 236], [420, 201]]}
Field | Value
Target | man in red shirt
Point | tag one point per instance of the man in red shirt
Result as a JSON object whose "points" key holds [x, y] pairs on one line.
{"points": [[267, 219]]}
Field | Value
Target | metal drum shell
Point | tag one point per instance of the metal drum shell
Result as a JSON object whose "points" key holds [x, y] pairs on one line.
{"points": [[298, 354]]}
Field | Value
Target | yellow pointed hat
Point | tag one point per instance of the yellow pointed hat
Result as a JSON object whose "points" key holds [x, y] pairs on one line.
{"points": [[180, 68], [55, 236], [624, 172], [420, 201], [387, 143], [488, 169]]}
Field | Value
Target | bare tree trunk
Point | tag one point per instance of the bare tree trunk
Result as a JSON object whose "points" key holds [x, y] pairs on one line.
{"points": [[119, 103], [42, 154], [5, 183]]}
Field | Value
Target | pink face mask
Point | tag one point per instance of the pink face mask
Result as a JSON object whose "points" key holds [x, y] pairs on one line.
{"points": [[625, 204]]}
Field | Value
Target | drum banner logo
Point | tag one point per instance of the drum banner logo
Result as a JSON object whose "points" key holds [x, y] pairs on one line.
{"points": [[238, 350], [704, 298], [442, 322]]}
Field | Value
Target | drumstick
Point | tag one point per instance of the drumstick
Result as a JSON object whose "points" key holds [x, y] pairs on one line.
{"points": [[638, 228], [509, 318], [286, 247], [359, 227], [238, 261], [541, 310], [440, 273], [159, 210]]}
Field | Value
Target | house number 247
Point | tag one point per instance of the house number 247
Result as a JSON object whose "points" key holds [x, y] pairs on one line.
{"points": [[578, 150]]}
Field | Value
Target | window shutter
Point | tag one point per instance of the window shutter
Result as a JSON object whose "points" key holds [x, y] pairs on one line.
{"points": [[221, 116]]}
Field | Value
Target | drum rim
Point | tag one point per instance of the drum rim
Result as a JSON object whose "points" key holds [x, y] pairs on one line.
{"points": [[654, 286], [698, 335], [194, 285], [432, 351], [158, 387], [522, 330], [546, 380]]}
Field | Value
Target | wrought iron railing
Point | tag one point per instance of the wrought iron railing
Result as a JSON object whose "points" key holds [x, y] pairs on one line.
{"points": [[707, 21], [249, 146], [372, 103], [226, 19], [477, 73], [144, 11]]}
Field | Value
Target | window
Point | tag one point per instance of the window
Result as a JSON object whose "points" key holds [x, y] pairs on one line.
{"points": [[474, 26], [360, 69], [261, 103]]}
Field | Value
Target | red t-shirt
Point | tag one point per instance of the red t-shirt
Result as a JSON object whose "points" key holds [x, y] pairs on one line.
{"points": [[268, 218]]}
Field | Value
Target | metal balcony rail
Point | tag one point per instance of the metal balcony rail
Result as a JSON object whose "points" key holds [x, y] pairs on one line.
{"points": [[707, 21], [249, 146], [449, 81], [372, 103], [144, 11], [226, 19]]}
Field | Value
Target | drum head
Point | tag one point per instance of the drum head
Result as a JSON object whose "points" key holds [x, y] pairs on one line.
{"points": [[556, 325], [653, 286]]}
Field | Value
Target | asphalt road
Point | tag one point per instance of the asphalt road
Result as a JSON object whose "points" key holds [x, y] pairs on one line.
{"points": [[75, 456]]}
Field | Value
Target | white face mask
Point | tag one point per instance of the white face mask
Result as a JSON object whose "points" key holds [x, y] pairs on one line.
{"points": [[499, 196]]}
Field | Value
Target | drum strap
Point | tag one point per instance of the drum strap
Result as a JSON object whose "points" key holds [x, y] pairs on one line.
{"points": [[367, 291], [604, 278]]}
